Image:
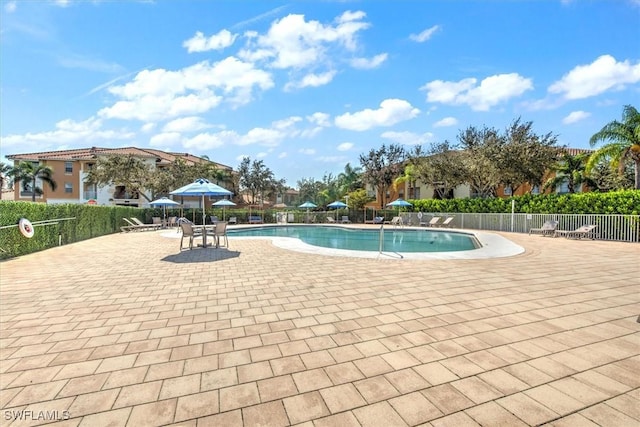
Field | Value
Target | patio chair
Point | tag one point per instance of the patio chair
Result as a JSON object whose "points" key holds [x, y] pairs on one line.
{"points": [[578, 233], [446, 222], [433, 222], [172, 221], [345, 219], [146, 226], [214, 219], [189, 232], [547, 229], [232, 220], [397, 221], [331, 220], [219, 232], [378, 220]]}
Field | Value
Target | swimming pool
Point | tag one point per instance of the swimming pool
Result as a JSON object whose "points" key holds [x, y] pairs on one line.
{"points": [[359, 239]]}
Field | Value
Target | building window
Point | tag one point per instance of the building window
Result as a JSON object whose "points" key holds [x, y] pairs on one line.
{"points": [[535, 189], [68, 167], [507, 191], [68, 187], [563, 188], [416, 192]]}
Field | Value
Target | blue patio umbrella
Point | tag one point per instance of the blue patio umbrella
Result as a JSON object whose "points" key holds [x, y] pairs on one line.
{"points": [[164, 202], [337, 205], [224, 203], [202, 187], [308, 205], [399, 203]]}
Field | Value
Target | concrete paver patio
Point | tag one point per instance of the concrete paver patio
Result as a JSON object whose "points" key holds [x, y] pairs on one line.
{"points": [[125, 330]]}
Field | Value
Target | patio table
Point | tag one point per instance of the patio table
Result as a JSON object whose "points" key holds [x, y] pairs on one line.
{"points": [[206, 229]]}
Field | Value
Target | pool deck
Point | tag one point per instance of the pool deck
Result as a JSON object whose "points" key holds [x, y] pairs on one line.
{"points": [[126, 330]]}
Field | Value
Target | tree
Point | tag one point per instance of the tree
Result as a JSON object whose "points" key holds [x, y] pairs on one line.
{"points": [[570, 169], [442, 169], [623, 143], [381, 167], [350, 179], [258, 179], [480, 147], [5, 176], [603, 177], [127, 170], [524, 157], [28, 173], [308, 189], [358, 199]]}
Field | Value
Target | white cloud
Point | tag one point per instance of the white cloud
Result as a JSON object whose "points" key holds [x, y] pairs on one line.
{"points": [[282, 155], [391, 111], [67, 132], [603, 74], [10, 6], [159, 94], [148, 127], [368, 63], [424, 35], [166, 139], [313, 80], [208, 141], [575, 116], [345, 146], [447, 121], [261, 155], [308, 151], [186, 124], [200, 43], [408, 138], [491, 91], [62, 3], [332, 159], [320, 119]]}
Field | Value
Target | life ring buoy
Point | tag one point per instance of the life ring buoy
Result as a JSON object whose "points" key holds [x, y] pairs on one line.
{"points": [[419, 215], [26, 228]]}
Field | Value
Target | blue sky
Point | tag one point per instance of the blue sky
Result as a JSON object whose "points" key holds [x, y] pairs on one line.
{"points": [[308, 86]]}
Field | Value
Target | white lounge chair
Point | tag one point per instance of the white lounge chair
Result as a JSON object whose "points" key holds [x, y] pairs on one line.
{"points": [[547, 229], [578, 233], [433, 222], [446, 222], [345, 219]]}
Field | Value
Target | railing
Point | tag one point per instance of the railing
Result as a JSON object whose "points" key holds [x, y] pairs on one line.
{"points": [[623, 228]]}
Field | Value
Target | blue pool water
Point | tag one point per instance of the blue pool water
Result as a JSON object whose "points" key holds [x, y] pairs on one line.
{"points": [[395, 240]]}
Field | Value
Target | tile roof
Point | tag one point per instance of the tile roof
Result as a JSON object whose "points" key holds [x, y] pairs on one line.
{"points": [[162, 157]]}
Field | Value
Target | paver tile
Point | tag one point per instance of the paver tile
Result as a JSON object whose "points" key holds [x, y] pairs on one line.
{"points": [[155, 413], [238, 396], [305, 407], [378, 414], [342, 398], [197, 405], [415, 408], [276, 388], [376, 389], [266, 414], [492, 414]]}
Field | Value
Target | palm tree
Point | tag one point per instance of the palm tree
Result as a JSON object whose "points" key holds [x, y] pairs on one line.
{"points": [[28, 173], [570, 169], [5, 173], [623, 142], [351, 179]]}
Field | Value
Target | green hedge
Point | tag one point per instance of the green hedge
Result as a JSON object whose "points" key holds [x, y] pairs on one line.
{"points": [[90, 221], [625, 202]]}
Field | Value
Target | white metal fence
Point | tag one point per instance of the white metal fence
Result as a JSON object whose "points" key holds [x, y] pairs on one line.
{"points": [[624, 228]]}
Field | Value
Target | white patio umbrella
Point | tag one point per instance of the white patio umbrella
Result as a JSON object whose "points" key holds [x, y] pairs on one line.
{"points": [[202, 187], [337, 205], [308, 205], [224, 203], [164, 202]]}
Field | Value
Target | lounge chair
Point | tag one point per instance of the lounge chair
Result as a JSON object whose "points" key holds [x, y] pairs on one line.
{"points": [[330, 220], [173, 221], [397, 221], [232, 220], [136, 226], [220, 231], [433, 222], [146, 226], [446, 222], [378, 220], [214, 219], [345, 219], [547, 229], [189, 232], [578, 233]]}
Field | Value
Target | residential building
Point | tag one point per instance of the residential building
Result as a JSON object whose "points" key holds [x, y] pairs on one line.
{"points": [[71, 167]]}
